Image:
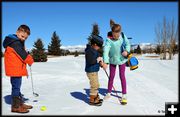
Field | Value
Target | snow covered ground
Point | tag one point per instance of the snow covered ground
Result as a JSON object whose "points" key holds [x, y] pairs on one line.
{"points": [[63, 88]]}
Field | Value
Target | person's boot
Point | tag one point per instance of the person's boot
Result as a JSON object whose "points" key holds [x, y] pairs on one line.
{"points": [[25, 105], [124, 99], [101, 100], [94, 100], [16, 105]]}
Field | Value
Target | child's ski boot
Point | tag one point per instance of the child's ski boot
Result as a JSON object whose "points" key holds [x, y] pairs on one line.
{"points": [[124, 99], [101, 100], [95, 100], [17, 107]]}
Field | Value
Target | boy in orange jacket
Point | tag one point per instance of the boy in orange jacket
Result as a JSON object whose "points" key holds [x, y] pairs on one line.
{"points": [[15, 59]]}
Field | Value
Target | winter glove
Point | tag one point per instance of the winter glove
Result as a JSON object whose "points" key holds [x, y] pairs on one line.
{"points": [[101, 63], [29, 60], [99, 59]]}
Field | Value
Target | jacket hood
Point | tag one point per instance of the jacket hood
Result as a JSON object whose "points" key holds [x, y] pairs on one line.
{"points": [[9, 40], [87, 47]]}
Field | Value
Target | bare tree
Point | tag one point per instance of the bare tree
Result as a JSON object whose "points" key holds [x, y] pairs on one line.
{"points": [[158, 33], [166, 37], [175, 42], [171, 36]]}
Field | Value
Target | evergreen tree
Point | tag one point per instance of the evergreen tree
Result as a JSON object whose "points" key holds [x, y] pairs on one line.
{"points": [[131, 51], [54, 46], [95, 31], [111, 23], [38, 51], [158, 49], [138, 50], [76, 54]]}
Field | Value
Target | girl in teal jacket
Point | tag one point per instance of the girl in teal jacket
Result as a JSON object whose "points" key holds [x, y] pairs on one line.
{"points": [[115, 55]]}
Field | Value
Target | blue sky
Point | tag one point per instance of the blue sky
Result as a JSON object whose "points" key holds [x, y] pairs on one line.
{"points": [[73, 20]]}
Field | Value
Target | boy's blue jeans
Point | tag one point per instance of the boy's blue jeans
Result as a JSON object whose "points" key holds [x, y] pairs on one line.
{"points": [[16, 86]]}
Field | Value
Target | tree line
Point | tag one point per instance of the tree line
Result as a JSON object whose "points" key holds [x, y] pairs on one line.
{"points": [[166, 33]]}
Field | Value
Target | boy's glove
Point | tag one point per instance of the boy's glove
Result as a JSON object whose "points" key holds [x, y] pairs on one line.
{"points": [[101, 63], [99, 59], [29, 60]]}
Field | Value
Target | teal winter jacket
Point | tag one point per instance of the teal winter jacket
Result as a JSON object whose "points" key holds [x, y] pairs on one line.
{"points": [[112, 51]]}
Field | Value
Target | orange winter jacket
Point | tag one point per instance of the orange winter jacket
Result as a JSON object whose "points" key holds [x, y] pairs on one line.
{"points": [[15, 57]]}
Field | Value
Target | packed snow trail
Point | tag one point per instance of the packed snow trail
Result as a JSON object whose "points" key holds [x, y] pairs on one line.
{"points": [[63, 88]]}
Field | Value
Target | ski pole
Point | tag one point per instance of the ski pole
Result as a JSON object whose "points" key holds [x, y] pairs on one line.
{"points": [[113, 87], [35, 94]]}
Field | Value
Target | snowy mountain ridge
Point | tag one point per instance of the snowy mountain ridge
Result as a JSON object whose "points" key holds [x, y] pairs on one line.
{"points": [[81, 48]]}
